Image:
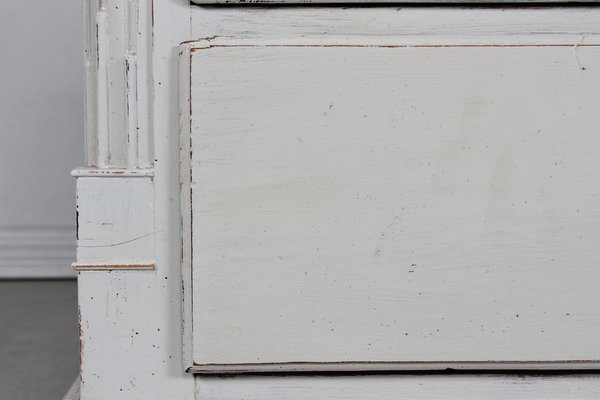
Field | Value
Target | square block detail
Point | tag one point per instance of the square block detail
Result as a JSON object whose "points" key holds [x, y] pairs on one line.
{"points": [[115, 221]]}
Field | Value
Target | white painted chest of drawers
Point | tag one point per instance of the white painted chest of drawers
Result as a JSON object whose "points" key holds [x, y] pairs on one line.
{"points": [[360, 197]]}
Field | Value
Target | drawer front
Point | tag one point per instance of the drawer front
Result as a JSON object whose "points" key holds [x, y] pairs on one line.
{"points": [[356, 203]]}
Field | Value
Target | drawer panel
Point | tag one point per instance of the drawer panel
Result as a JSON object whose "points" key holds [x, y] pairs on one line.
{"points": [[391, 206]]}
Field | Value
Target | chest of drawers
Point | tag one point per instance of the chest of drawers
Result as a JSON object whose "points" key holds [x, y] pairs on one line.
{"points": [[376, 201]]}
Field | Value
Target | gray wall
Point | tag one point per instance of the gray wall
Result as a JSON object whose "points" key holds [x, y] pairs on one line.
{"points": [[41, 135]]}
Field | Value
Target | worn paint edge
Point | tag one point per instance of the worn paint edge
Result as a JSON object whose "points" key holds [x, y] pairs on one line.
{"points": [[574, 40], [395, 46], [186, 215], [113, 265], [366, 366]]}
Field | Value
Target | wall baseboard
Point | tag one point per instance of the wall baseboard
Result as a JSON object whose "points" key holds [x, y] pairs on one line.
{"points": [[74, 391], [37, 251]]}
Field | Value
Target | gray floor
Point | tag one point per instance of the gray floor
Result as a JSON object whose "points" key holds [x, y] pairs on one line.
{"points": [[39, 353]]}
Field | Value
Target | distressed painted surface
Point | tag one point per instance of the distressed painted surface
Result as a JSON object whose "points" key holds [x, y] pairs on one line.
{"points": [[131, 319], [128, 295], [127, 348], [398, 387], [394, 204], [118, 40], [418, 25], [115, 221]]}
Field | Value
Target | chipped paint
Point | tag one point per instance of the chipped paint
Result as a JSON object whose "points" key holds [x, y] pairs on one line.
{"points": [[81, 343]]}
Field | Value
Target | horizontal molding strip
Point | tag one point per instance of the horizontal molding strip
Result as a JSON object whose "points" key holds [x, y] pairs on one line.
{"points": [[398, 366], [114, 265]]}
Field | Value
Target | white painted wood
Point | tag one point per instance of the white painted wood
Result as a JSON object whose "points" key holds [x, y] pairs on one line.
{"points": [[131, 318], [425, 25], [185, 154], [126, 347], [399, 387], [128, 294], [93, 172], [421, 26], [109, 231], [118, 38], [384, 204]]}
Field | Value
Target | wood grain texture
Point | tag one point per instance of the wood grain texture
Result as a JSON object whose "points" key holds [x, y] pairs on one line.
{"points": [[114, 265], [394, 205]]}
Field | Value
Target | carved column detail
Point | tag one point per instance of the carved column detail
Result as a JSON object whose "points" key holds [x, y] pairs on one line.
{"points": [[118, 41]]}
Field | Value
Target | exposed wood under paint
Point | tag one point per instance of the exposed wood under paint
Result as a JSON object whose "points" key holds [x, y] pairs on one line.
{"points": [[113, 265]]}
